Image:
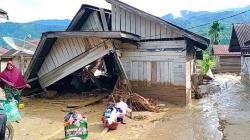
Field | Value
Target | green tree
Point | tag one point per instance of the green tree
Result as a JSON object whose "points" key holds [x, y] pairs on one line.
{"points": [[214, 32]]}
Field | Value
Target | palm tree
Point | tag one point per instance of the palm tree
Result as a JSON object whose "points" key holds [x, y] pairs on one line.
{"points": [[215, 31]]}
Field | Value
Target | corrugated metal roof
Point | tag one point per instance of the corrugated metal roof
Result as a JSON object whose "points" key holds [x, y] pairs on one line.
{"points": [[223, 50], [242, 31]]}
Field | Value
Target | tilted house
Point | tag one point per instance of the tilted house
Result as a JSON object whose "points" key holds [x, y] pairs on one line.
{"points": [[157, 56], [239, 42]]}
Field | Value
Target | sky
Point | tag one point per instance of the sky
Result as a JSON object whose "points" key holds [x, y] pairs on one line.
{"points": [[30, 10]]}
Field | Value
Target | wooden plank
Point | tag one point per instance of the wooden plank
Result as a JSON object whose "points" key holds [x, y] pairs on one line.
{"points": [[149, 67], [148, 29], [67, 50], [128, 22], [70, 47], [152, 30], [163, 31], [145, 74], [135, 76], [169, 33], [123, 20], [97, 21], [91, 22], [104, 21], [140, 73], [73, 46], [63, 49], [77, 46], [118, 19], [162, 73], [138, 25], [54, 56], [158, 72], [59, 52], [133, 24], [171, 76], [167, 72], [163, 44], [143, 27], [113, 20], [81, 45], [73, 65], [154, 72], [51, 63], [158, 31]]}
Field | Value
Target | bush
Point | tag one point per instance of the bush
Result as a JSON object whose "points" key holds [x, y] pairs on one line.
{"points": [[207, 63]]}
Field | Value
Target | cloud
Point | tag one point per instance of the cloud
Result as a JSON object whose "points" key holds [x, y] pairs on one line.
{"points": [[29, 10]]}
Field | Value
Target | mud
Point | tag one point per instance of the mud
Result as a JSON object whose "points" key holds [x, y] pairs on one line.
{"points": [[224, 114]]}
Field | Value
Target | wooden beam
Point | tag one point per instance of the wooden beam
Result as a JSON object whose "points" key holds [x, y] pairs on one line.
{"points": [[74, 64], [87, 34], [104, 21], [118, 60]]}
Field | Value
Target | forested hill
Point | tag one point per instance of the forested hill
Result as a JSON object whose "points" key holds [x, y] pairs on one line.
{"points": [[35, 29], [192, 19]]}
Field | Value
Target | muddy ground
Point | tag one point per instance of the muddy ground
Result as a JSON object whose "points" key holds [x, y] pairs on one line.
{"points": [[221, 115]]}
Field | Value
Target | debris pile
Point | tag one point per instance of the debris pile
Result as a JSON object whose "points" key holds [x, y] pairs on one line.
{"points": [[134, 100]]}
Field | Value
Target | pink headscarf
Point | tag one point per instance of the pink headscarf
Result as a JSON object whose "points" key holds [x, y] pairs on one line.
{"points": [[13, 77]]}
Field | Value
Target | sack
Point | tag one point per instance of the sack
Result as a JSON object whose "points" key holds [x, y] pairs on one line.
{"points": [[11, 110], [75, 126]]}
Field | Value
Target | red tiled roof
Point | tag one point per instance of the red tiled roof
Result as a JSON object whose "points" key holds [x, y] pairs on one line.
{"points": [[224, 50]]}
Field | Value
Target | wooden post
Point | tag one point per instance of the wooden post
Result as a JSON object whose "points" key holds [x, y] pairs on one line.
{"points": [[121, 68]]}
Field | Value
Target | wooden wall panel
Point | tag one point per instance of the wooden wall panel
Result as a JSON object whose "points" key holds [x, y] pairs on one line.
{"points": [[113, 18], [128, 21], [123, 20], [65, 49], [118, 19], [133, 23]]}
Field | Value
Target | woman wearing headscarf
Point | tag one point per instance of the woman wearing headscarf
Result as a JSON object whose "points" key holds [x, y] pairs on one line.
{"points": [[13, 81]]}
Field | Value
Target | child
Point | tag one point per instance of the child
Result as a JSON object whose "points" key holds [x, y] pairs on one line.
{"points": [[123, 108]]}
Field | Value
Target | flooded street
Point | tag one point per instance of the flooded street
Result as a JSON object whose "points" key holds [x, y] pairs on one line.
{"points": [[223, 115]]}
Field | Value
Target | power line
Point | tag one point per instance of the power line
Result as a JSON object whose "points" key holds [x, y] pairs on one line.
{"points": [[220, 19]]}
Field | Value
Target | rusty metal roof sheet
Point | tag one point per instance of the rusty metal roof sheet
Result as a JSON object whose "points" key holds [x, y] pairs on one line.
{"points": [[223, 50]]}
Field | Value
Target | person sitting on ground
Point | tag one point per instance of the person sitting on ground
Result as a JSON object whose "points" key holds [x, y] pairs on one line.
{"points": [[13, 82], [120, 104]]}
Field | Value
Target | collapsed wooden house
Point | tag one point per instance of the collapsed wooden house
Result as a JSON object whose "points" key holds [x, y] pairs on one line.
{"points": [[240, 42], [156, 56]]}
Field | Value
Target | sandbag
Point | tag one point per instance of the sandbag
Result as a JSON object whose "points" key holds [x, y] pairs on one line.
{"points": [[11, 110]]}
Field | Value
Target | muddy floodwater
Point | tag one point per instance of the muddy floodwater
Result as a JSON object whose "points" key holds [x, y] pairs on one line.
{"points": [[221, 115]]}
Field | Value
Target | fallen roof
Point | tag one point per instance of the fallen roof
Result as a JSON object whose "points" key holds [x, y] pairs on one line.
{"points": [[240, 36], [49, 38], [204, 42], [3, 14], [223, 50]]}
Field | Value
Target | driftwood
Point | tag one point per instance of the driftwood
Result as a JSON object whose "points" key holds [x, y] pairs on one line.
{"points": [[134, 100]]}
